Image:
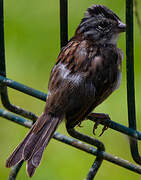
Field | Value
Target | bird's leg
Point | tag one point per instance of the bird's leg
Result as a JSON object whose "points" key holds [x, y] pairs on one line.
{"points": [[98, 118]]}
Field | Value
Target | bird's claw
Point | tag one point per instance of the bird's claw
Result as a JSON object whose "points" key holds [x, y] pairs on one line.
{"points": [[98, 118], [104, 129], [95, 127]]}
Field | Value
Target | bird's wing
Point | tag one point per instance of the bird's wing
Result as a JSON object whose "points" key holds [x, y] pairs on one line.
{"points": [[83, 77]]}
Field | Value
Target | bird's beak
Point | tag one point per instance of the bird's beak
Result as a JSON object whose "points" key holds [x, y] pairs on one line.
{"points": [[121, 27]]}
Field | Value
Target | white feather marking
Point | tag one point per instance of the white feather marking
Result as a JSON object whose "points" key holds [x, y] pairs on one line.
{"points": [[49, 93], [65, 74]]}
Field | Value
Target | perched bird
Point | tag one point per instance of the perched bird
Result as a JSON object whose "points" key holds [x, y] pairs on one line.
{"points": [[87, 71]]}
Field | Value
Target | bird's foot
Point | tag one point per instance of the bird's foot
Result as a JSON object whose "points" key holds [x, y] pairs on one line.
{"points": [[98, 118], [95, 127], [104, 129]]}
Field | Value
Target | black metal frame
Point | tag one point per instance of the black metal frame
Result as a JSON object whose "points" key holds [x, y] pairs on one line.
{"points": [[99, 151]]}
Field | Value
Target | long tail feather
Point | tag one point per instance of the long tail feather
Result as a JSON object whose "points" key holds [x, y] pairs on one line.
{"points": [[34, 144], [16, 156], [37, 153], [30, 169], [31, 143]]}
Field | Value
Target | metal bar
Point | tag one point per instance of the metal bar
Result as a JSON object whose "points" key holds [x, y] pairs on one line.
{"points": [[78, 144], [104, 155], [22, 88], [16, 119], [130, 79], [16, 109], [40, 95], [3, 89], [2, 51], [63, 22], [118, 127], [15, 170], [94, 169], [100, 146], [86, 139]]}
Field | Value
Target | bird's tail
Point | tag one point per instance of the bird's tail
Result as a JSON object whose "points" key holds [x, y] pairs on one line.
{"points": [[32, 147]]}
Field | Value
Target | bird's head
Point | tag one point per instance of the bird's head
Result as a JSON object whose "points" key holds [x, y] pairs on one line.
{"points": [[101, 25]]}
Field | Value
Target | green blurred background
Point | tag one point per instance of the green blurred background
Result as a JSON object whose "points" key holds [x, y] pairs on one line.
{"points": [[32, 44]]}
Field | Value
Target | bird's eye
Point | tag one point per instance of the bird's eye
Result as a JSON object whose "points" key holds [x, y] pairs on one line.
{"points": [[102, 26]]}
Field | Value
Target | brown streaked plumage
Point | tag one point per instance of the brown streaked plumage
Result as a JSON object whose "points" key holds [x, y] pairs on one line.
{"points": [[86, 72]]}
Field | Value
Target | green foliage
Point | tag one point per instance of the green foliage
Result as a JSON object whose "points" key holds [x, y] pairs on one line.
{"points": [[32, 45]]}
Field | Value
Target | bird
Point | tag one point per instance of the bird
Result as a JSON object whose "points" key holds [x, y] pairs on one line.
{"points": [[87, 70]]}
